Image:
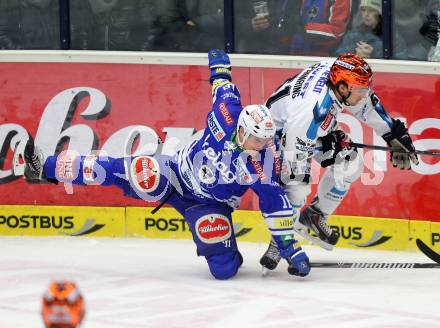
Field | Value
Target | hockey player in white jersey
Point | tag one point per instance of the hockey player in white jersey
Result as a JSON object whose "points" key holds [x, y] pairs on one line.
{"points": [[305, 111]]}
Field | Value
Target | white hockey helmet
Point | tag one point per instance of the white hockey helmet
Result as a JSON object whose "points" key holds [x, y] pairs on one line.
{"points": [[257, 121]]}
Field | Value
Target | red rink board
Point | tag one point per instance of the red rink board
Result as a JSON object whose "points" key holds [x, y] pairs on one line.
{"points": [[165, 96]]}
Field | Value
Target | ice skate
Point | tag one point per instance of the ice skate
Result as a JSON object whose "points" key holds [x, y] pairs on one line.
{"points": [[270, 258], [28, 161], [313, 219]]}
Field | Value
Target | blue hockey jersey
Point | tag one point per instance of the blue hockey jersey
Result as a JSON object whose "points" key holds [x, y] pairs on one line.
{"points": [[215, 168]]}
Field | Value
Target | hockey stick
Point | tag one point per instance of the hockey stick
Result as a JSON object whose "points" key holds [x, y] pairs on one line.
{"points": [[429, 252], [383, 148], [366, 265], [374, 265], [163, 202], [425, 249]]}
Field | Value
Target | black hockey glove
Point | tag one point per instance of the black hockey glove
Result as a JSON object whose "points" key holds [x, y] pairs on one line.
{"points": [[332, 142], [399, 139]]}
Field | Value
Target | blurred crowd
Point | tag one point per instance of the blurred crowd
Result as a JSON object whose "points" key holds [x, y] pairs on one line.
{"points": [[307, 27]]}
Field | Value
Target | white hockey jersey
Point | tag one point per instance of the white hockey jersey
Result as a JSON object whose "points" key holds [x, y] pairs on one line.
{"points": [[304, 109]]}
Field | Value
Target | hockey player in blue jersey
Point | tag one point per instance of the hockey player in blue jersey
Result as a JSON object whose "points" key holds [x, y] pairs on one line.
{"points": [[205, 180]]}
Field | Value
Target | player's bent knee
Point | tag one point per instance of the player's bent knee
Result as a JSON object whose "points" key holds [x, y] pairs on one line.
{"points": [[224, 266]]}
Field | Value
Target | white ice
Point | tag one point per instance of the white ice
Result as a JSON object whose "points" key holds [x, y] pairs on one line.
{"points": [[140, 283]]}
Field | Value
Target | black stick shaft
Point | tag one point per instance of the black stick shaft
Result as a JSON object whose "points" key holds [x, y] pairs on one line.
{"points": [[384, 148]]}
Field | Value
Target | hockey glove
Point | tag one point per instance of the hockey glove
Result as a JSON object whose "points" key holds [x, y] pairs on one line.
{"points": [[219, 64], [399, 139], [299, 264], [332, 141]]}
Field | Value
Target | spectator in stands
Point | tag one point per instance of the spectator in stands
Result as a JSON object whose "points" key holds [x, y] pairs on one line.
{"points": [[365, 39], [147, 30], [323, 23], [265, 26], [113, 24], [208, 17], [408, 18], [191, 25], [29, 24], [177, 30], [430, 30]]}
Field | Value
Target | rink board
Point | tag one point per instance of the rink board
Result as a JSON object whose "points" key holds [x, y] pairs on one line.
{"points": [[167, 223], [62, 220], [101, 104]]}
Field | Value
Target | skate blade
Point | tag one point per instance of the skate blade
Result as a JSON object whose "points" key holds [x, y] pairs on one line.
{"points": [[302, 231], [264, 271]]}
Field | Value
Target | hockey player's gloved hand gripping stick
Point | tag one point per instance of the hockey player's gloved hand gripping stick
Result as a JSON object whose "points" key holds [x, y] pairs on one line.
{"points": [[334, 141], [392, 150], [299, 264], [403, 151]]}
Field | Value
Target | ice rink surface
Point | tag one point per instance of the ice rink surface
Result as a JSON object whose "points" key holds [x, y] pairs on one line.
{"points": [[140, 283]]}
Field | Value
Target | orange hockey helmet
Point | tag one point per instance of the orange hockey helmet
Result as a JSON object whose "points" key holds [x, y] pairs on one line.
{"points": [[63, 305], [351, 69]]}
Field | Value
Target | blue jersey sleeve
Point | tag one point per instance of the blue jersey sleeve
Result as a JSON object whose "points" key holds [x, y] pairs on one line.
{"points": [[222, 119], [274, 204]]}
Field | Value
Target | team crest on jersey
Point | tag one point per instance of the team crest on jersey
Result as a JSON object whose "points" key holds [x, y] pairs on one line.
{"points": [[215, 127], [206, 175], [145, 173], [213, 228]]}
